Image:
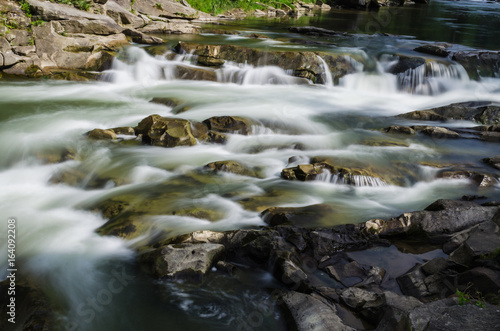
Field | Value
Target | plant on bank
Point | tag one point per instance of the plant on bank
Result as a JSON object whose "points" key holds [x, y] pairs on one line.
{"points": [[221, 6]]}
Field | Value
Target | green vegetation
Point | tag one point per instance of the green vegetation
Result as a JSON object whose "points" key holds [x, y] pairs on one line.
{"points": [[465, 298], [80, 4], [158, 5], [25, 7], [38, 23], [221, 6]]}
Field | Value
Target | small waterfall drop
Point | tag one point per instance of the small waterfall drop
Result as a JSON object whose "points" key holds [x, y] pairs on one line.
{"points": [[326, 75], [356, 180], [245, 74]]}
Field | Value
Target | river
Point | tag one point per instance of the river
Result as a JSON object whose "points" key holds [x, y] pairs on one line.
{"points": [[57, 246]]}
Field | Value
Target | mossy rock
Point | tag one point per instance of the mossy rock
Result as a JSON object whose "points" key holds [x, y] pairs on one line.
{"points": [[229, 124], [165, 132], [232, 167]]}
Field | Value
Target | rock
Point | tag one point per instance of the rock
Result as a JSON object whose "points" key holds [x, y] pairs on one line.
{"points": [[315, 31], [125, 130], [480, 112], [368, 304], [395, 316], [300, 216], [33, 310], [86, 26], [49, 11], [483, 280], [72, 52], [171, 27], [310, 313], [436, 132], [479, 63], [434, 49], [182, 261], [337, 171], [478, 178], [24, 50], [438, 221], [194, 73], [169, 102], [165, 132], [19, 37], [480, 241], [229, 124], [161, 8], [232, 167], [398, 129], [142, 38], [446, 315], [123, 16], [405, 63], [493, 161], [303, 172], [99, 134], [302, 64]]}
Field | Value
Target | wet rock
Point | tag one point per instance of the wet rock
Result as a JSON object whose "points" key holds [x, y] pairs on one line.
{"points": [[301, 216], [194, 73], [306, 65], [169, 102], [479, 63], [182, 261], [399, 129], [493, 161], [32, 311], [124, 130], [480, 112], [488, 132], [315, 31], [310, 313], [478, 178], [405, 63], [434, 49], [436, 132], [100, 134], [229, 124], [232, 167], [166, 132], [302, 172], [438, 221], [369, 304]]}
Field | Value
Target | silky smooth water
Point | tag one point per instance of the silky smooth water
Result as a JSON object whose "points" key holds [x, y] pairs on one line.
{"points": [[58, 249]]}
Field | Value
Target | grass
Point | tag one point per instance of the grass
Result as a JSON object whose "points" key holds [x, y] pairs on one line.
{"points": [[220, 6]]}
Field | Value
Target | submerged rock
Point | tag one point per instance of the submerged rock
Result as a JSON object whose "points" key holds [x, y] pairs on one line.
{"points": [[232, 167], [436, 132], [399, 129], [434, 49], [99, 134], [479, 63], [493, 161], [301, 216]]}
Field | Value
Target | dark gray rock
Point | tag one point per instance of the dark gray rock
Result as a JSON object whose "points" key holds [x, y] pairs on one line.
{"points": [[493, 161], [311, 314], [315, 31], [405, 63], [301, 216], [369, 304], [395, 316], [479, 63], [186, 260], [482, 112], [434, 49]]}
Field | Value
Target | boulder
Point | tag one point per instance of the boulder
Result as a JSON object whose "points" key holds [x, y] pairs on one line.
{"points": [[50, 11], [79, 51], [396, 313], [142, 38], [315, 31], [182, 261], [300, 216], [493, 161], [33, 310], [170, 27], [229, 124], [230, 166], [123, 16], [480, 179], [405, 63], [166, 132], [480, 112], [438, 221], [479, 63], [99, 134], [99, 27], [447, 315], [311, 313], [434, 49], [399, 129], [160, 8], [436, 132], [369, 304]]}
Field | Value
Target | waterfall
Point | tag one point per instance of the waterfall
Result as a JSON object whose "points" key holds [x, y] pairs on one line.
{"points": [[245, 74], [357, 180], [431, 78], [326, 74]]}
